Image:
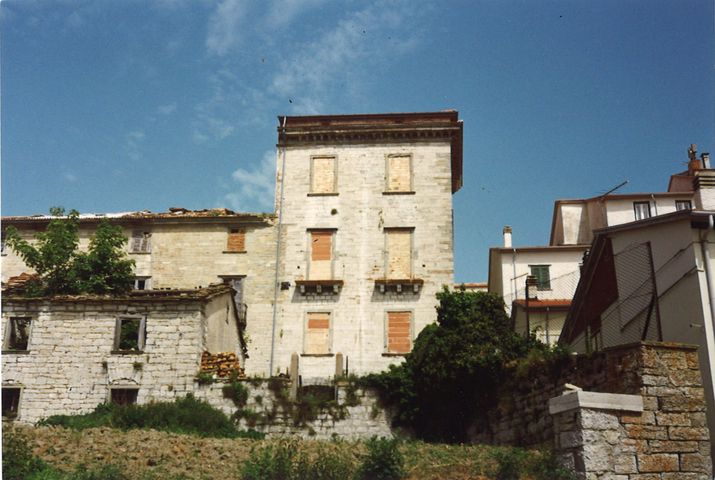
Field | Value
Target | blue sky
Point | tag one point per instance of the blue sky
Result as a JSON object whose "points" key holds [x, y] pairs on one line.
{"points": [[115, 106]]}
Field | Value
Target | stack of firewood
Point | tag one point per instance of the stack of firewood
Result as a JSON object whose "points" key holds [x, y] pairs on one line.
{"points": [[221, 364]]}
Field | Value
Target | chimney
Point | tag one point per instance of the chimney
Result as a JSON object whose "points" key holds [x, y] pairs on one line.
{"points": [[693, 163], [705, 159], [507, 236]]}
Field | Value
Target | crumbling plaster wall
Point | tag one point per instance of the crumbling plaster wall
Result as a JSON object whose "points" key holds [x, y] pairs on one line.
{"points": [[360, 211]]}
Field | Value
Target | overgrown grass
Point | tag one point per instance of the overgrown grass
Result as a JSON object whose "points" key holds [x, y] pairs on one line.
{"points": [[186, 415]]}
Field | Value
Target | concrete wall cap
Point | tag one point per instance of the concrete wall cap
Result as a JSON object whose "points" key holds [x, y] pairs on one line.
{"points": [[595, 400]]}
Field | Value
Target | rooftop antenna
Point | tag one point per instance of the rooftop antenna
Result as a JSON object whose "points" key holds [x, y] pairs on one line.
{"points": [[615, 188]]}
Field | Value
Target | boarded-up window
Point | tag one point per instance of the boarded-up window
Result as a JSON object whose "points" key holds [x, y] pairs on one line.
{"points": [[399, 254], [236, 240], [399, 173], [322, 175], [399, 332], [141, 242], [317, 333], [321, 254]]}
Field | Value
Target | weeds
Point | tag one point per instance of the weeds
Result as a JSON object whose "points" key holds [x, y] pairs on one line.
{"points": [[383, 461]]}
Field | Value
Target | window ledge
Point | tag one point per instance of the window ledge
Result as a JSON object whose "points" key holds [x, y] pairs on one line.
{"points": [[234, 251], [127, 352], [393, 354], [15, 352], [407, 192], [317, 354], [139, 253], [327, 194]]}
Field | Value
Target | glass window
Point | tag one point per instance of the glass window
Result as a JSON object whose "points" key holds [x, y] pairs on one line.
{"points": [[683, 205], [642, 210]]}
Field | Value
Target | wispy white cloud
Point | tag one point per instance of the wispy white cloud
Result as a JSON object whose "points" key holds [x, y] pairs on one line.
{"points": [[253, 188], [167, 109], [337, 61], [223, 27], [283, 12], [133, 144]]}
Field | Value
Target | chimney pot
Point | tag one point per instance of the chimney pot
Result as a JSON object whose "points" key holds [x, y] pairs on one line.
{"points": [[705, 157], [507, 236]]}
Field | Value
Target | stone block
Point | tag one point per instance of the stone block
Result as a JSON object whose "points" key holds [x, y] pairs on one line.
{"points": [[658, 463], [672, 446], [694, 462], [673, 419], [688, 433]]}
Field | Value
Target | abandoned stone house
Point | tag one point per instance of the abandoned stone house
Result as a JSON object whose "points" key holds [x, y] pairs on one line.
{"points": [[65, 355], [350, 262]]}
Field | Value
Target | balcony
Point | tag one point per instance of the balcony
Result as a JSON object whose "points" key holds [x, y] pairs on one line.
{"points": [[399, 285], [330, 286]]}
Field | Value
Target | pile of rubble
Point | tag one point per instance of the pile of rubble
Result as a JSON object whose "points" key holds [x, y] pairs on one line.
{"points": [[222, 364]]}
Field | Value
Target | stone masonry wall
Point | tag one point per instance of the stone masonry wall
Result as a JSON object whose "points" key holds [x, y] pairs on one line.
{"points": [[353, 416], [360, 211], [670, 437], [69, 366]]}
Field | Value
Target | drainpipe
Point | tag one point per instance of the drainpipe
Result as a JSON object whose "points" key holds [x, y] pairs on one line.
{"points": [[278, 251], [709, 326], [655, 204]]}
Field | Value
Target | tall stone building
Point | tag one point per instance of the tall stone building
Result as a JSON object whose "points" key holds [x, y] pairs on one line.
{"points": [[350, 262], [364, 208]]}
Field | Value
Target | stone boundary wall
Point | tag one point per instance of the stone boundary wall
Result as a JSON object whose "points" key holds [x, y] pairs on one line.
{"points": [[605, 442], [521, 417], [667, 438], [355, 414]]}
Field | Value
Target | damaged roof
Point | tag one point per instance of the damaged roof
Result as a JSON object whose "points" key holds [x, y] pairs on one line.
{"points": [[174, 213], [12, 291]]}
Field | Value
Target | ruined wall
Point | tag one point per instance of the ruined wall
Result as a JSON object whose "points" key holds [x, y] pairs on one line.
{"points": [[360, 210], [355, 413], [69, 366]]}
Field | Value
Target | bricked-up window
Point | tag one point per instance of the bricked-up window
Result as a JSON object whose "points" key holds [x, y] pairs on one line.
{"points": [[124, 396], [130, 334], [10, 402], [399, 253], [236, 240], [399, 332], [321, 254], [141, 242], [399, 173], [317, 333], [323, 175], [17, 335]]}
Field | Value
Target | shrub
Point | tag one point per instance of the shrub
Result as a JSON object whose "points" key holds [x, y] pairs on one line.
{"points": [[204, 378], [185, 415], [18, 463], [383, 461], [236, 391], [451, 379]]}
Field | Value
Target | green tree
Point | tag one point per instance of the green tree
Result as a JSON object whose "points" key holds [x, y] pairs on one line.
{"points": [[452, 375], [64, 270]]}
